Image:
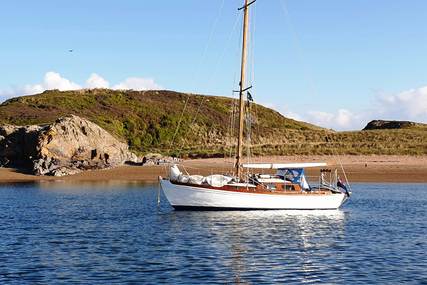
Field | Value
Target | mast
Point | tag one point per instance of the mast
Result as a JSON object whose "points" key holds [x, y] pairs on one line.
{"points": [[242, 87]]}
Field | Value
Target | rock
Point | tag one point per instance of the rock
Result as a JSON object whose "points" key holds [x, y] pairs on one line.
{"points": [[4, 162], [68, 146], [18, 144], [63, 171], [381, 124], [6, 130], [157, 159]]}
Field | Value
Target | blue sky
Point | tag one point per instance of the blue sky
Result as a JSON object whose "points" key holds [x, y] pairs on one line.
{"points": [[331, 62]]}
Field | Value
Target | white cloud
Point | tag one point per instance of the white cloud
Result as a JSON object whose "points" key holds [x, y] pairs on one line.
{"points": [[288, 113], [10, 92], [32, 89], [342, 119], [96, 81], [407, 105], [54, 80], [137, 83], [51, 80]]}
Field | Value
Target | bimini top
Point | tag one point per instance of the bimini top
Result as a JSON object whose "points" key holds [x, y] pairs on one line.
{"points": [[284, 165]]}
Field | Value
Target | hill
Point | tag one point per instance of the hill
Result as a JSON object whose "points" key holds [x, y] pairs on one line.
{"points": [[148, 120]]}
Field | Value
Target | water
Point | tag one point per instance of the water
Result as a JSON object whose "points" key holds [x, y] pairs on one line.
{"points": [[115, 234]]}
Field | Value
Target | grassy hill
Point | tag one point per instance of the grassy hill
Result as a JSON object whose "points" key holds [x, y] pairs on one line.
{"points": [[148, 120]]}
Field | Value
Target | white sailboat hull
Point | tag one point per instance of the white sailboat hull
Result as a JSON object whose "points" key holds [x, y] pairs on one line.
{"points": [[193, 197]]}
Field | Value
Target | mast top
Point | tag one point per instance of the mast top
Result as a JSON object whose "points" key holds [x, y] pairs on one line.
{"points": [[247, 5]]}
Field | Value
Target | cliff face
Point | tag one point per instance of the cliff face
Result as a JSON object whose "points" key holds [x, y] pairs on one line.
{"points": [[69, 145]]}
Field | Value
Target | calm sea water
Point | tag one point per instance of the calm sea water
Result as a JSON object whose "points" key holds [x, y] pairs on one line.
{"points": [[116, 234]]}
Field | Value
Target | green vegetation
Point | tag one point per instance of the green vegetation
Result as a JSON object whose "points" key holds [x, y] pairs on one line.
{"points": [[148, 121]]}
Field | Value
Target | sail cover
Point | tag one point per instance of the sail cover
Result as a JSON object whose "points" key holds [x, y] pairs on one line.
{"points": [[284, 165]]}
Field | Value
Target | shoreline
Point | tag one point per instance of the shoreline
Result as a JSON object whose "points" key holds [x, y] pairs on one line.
{"points": [[376, 168]]}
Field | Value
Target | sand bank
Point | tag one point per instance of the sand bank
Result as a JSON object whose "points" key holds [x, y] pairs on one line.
{"points": [[358, 168]]}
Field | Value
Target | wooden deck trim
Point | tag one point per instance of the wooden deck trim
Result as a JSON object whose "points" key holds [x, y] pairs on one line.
{"points": [[258, 190]]}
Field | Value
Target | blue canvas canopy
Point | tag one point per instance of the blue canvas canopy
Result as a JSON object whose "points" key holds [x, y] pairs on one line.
{"points": [[295, 175]]}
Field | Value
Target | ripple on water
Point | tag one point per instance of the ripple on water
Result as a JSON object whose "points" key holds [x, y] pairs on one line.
{"points": [[87, 234]]}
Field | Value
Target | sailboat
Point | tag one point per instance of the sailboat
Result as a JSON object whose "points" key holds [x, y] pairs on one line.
{"points": [[287, 189]]}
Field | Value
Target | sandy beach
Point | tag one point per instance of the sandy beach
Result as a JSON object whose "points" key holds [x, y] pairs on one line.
{"points": [[394, 169]]}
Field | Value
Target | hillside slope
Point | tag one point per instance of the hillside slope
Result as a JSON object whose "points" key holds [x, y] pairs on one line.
{"points": [[147, 121]]}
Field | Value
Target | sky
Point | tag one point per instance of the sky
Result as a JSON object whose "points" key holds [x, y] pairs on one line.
{"points": [[334, 63]]}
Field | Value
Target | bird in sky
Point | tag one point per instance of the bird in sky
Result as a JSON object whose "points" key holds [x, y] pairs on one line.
{"points": [[70, 50]]}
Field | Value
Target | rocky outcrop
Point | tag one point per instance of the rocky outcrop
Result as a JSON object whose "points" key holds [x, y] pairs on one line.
{"points": [[158, 159], [68, 146], [381, 124]]}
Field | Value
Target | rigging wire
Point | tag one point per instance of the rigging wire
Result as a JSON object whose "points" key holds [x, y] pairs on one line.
{"points": [[308, 76], [232, 125], [217, 65], [197, 67], [224, 51], [338, 159], [235, 96], [298, 48], [216, 69], [255, 111]]}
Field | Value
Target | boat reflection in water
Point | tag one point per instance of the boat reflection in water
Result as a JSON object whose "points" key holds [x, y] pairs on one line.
{"points": [[283, 245]]}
